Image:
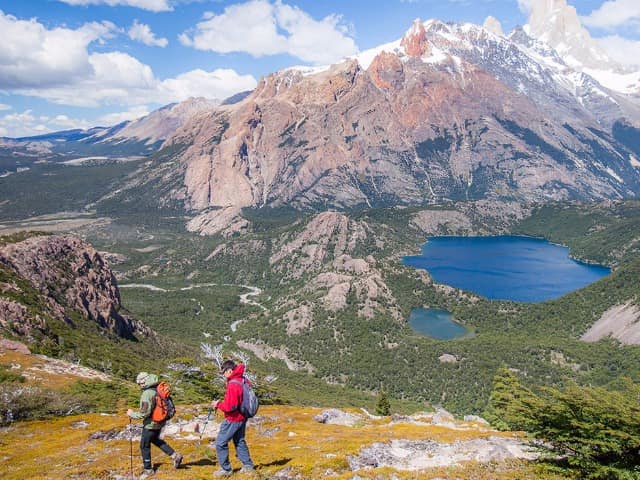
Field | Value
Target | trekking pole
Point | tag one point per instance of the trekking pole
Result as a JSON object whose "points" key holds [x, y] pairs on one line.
{"points": [[130, 448], [205, 425]]}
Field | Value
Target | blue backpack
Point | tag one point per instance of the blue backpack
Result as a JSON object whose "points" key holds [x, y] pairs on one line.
{"points": [[249, 404]]}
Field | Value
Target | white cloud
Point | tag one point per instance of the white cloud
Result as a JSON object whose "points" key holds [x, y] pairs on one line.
{"points": [[614, 13], [31, 55], [622, 50], [220, 83], [5, 107], [57, 66], [318, 42], [260, 28], [525, 5], [122, 80], [118, 117], [152, 5], [142, 33], [26, 124]]}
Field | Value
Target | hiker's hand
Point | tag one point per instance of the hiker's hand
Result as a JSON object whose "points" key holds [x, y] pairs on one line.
{"points": [[129, 412], [214, 403]]}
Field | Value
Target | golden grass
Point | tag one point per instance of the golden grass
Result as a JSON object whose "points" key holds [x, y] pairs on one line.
{"points": [[36, 371], [287, 437]]}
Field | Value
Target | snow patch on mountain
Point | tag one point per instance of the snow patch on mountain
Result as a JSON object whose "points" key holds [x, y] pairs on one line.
{"points": [[366, 57]]}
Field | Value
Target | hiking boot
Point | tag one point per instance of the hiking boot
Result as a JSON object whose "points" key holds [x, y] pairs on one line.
{"points": [[247, 469], [147, 472], [221, 472], [177, 459]]}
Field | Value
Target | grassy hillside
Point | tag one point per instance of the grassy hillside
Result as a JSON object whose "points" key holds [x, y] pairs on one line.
{"points": [[538, 339], [284, 441]]}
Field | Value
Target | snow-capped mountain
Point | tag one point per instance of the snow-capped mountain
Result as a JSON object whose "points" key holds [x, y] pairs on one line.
{"points": [[448, 112], [557, 24]]}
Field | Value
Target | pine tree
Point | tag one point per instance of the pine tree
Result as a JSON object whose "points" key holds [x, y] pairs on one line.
{"points": [[596, 430], [383, 407]]}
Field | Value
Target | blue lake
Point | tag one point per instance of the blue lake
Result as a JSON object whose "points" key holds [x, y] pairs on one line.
{"points": [[436, 324], [522, 269]]}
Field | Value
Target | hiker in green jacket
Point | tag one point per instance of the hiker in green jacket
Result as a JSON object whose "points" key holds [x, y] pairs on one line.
{"points": [[150, 429]]}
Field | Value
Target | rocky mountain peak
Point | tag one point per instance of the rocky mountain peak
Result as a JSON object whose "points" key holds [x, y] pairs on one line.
{"points": [[557, 24], [414, 40], [493, 25]]}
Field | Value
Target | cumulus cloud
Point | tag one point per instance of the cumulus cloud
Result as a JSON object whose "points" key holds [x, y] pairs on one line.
{"points": [[5, 107], [151, 5], [26, 124], [622, 50], [56, 65], [122, 80], [614, 13], [199, 83], [141, 32], [260, 28], [31, 55]]}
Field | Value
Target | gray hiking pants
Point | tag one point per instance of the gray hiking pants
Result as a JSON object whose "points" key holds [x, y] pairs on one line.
{"points": [[232, 431]]}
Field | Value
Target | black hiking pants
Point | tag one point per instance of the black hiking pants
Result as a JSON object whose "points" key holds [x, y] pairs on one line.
{"points": [[146, 439]]}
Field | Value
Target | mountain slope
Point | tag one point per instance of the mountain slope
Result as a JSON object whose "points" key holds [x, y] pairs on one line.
{"points": [[449, 112], [58, 295]]}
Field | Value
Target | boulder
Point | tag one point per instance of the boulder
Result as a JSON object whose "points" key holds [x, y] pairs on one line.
{"points": [[334, 416]]}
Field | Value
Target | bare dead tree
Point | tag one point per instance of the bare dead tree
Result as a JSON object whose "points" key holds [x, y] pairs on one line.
{"points": [[242, 356], [213, 353]]}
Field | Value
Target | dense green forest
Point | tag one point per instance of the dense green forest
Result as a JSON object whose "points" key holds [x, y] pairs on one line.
{"points": [[344, 357], [540, 340]]}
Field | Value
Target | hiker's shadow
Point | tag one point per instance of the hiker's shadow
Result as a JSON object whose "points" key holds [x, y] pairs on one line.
{"points": [[275, 463], [203, 462]]}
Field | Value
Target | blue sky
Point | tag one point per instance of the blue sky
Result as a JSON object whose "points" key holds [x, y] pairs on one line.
{"points": [[79, 63]]}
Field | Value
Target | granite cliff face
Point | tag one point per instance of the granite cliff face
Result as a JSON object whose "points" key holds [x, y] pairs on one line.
{"points": [[51, 277], [449, 112]]}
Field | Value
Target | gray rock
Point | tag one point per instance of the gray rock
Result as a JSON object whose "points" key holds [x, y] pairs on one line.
{"points": [[333, 416], [412, 455], [475, 419]]}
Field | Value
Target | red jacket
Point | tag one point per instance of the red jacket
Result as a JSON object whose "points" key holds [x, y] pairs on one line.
{"points": [[233, 396]]}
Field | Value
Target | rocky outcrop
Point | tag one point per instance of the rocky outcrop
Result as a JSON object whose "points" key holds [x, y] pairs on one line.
{"points": [[334, 416], [414, 41], [324, 251], [413, 455], [227, 221], [264, 352], [66, 275], [327, 234]]}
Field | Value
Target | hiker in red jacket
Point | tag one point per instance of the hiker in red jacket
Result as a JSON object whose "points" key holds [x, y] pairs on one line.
{"points": [[234, 425]]}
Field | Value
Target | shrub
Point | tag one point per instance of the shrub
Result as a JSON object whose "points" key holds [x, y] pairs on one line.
{"points": [[597, 431], [383, 407]]}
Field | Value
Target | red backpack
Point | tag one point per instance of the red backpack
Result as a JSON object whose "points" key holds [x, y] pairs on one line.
{"points": [[164, 408]]}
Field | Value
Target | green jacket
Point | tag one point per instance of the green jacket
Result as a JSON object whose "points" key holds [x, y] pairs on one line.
{"points": [[147, 403]]}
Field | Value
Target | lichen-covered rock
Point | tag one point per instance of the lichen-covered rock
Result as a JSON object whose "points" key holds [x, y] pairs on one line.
{"points": [[412, 455], [334, 416], [68, 274]]}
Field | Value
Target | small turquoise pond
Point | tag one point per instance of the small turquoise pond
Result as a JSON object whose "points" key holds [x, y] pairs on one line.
{"points": [[435, 323]]}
